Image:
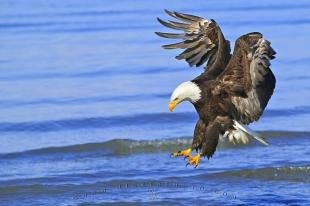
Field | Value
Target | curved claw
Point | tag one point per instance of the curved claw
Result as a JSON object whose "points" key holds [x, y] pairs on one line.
{"points": [[189, 164], [194, 160]]}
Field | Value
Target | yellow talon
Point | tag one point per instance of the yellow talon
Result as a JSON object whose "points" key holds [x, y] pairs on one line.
{"points": [[193, 160], [184, 153]]}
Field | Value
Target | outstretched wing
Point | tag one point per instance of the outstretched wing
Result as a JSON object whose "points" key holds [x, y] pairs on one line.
{"points": [[247, 80], [202, 40]]}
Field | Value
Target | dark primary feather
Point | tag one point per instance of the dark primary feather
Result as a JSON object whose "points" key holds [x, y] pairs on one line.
{"points": [[173, 25], [170, 35], [184, 17], [202, 42], [248, 79]]}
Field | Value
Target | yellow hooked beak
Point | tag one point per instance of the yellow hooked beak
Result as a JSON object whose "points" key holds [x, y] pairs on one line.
{"points": [[172, 104]]}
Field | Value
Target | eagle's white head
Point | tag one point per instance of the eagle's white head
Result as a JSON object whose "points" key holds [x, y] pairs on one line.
{"points": [[187, 91]]}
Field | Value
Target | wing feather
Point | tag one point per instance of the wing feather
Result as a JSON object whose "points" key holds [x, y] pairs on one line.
{"points": [[190, 52], [170, 35], [184, 17], [172, 25], [201, 40], [248, 80]]}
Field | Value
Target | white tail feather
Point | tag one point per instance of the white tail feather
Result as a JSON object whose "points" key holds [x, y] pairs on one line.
{"points": [[237, 136], [250, 132]]}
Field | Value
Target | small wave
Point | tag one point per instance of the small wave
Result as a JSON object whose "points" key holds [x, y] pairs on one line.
{"points": [[112, 147], [132, 120], [81, 100], [90, 74], [98, 122], [303, 61], [81, 27], [287, 111], [291, 173], [131, 146], [270, 7]]}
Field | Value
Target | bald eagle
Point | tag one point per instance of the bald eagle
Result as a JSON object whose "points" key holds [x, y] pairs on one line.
{"points": [[233, 90]]}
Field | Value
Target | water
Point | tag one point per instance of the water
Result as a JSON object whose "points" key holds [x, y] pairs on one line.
{"points": [[83, 108]]}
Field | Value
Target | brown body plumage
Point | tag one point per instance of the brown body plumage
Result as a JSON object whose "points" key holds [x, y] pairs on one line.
{"points": [[234, 88]]}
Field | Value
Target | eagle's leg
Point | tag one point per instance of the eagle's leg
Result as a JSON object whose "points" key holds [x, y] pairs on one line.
{"points": [[184, 153], [193, 160]]}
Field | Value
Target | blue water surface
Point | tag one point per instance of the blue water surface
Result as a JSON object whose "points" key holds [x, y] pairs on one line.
{"points": [[83, 107]]}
